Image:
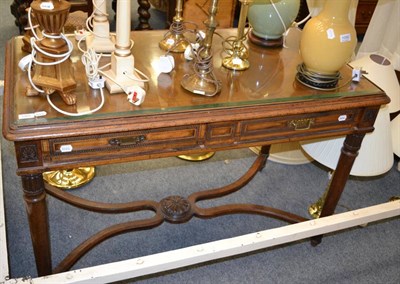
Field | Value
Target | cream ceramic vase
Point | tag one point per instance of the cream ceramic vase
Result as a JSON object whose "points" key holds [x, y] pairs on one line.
{"points": [[266, 22], [329, 39]]}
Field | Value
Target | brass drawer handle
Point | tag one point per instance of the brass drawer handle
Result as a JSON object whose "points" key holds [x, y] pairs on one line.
{"points": [[126, 141], [301, 124]]}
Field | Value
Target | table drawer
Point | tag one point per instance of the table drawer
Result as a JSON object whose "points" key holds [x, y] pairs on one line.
{"points": [[292, 126], [130, 142]]}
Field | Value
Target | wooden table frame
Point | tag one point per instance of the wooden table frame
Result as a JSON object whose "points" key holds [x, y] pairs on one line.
{"points": [[130, 137]]}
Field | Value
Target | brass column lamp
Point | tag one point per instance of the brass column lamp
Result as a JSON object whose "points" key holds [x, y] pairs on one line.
{"points": [[237, 50], [203, 81]]}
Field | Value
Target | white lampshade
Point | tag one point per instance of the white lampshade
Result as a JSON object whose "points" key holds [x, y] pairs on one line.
{"points": [[375, 156], [380, 71], [395, 127]]}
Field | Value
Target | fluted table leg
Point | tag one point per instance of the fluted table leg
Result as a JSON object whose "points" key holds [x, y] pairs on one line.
{"points": [[36, 208], [349, 152]]}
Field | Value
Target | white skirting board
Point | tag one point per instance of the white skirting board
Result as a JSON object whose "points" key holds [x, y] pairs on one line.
{"points": [[4, 272], [150, 264]]}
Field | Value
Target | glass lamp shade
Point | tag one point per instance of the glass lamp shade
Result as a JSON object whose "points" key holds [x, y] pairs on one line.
{"points": [[271, 18], [380, 71], [395, 128], [329, 39], [375, 156]]}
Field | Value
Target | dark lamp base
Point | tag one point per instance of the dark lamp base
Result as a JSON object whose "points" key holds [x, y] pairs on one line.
{"points": [[265, 42], [316, 80]]}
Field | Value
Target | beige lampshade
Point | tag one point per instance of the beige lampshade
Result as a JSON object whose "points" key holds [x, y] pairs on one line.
{"points": [[395, 128], [375, 156], [380, 71], [289, 154]]}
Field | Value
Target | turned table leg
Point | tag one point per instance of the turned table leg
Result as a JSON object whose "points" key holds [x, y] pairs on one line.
{"points": [[144, 15], [349, 152], [36, 208]]}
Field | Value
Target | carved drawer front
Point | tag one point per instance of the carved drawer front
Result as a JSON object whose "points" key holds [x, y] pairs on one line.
{"points": [[157, 140], [292, 126]]}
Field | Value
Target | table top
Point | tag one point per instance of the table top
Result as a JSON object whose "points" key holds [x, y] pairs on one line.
{"points": [[270, 81]]}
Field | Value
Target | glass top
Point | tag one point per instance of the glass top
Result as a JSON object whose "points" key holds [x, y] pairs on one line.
{"points": [[270, 79]]}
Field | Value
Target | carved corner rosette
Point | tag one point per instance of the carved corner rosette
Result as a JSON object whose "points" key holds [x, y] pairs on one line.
{"points": [[176, 209], [29, 154]]}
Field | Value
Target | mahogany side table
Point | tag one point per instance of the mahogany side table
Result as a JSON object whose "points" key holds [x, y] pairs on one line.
{"points": [[260, 106]]}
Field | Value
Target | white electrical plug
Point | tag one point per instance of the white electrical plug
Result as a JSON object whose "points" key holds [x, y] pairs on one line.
{"points": [[81, 34], [356, 74], [24, 62], [136, 95], [166, 63], [188, 54], [97, 83]]}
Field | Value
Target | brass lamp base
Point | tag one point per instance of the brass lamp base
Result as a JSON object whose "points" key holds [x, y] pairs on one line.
{"points": [[201, 84], [174, 43], [197, 157], [68, 179], [235, 63]]}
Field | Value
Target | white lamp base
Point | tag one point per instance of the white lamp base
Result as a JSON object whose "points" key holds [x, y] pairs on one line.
{"points": [[122, 74], [101, 44]]}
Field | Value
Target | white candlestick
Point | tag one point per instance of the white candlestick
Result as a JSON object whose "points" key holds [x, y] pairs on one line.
{"points": [[100, 40], [123, 27], [100, 10]]}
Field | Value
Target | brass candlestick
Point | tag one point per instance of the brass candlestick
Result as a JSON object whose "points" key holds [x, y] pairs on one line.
{"points": [[175, 40], [203, 81], [236, 49], [52, 73]]}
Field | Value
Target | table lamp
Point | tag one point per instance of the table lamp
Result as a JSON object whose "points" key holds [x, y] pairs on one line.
{"points": [[235, 47], [376, 154], [175, 40], [327, 44], [270, 19], [100, 39], [203, 81], [122, 73], [52, 73]]}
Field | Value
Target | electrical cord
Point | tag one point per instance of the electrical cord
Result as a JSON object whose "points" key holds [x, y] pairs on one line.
{"points": [[179, 28], [318, 81], [145, 80], [233, 45], [205, 65], [78, 113], [90, 62], [89, 20]]}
